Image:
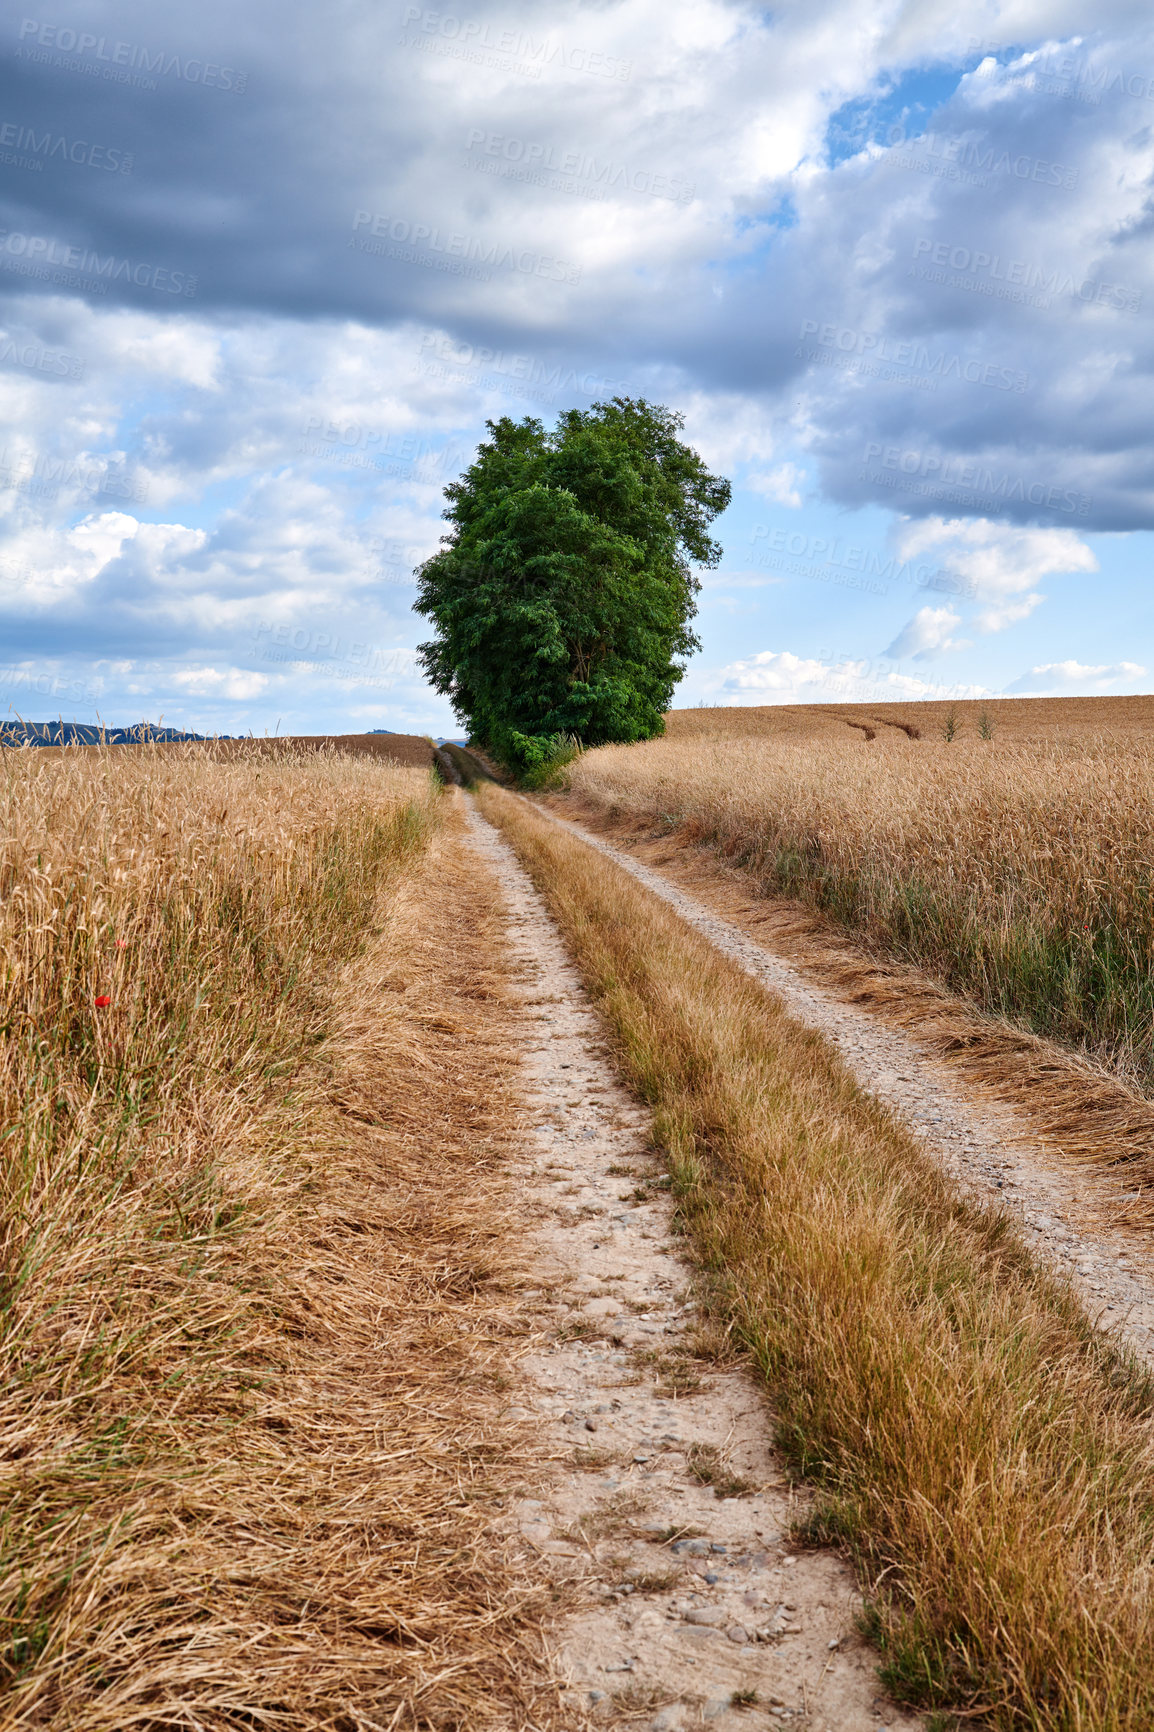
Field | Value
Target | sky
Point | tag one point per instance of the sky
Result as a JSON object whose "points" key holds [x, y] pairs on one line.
{"points": [[266, 272]]}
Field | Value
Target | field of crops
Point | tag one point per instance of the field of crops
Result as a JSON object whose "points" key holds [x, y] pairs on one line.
{"points": [[1008, 847], [242, 1316], [256, 1252]]}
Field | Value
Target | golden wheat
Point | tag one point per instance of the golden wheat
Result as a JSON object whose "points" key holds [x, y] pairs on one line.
{"points": [[248, 1329], [1021, 872]]}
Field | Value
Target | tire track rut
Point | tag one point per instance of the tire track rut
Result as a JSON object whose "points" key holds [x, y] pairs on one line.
{"points": [[665, 1505], [984, 1146]]}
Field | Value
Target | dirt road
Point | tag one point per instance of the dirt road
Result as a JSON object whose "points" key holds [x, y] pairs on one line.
{"points": [[664, 1503], [985, 1145]]}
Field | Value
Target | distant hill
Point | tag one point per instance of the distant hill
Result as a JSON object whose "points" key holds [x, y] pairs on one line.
{"points": [[86, 734]]}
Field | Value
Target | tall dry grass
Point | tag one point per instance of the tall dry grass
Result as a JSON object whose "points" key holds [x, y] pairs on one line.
{"points": [[1021, 873], [989, 1461], [248, 1329]]}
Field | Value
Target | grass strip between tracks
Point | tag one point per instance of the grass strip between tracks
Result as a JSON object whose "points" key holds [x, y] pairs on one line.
{"points": [[983, 1453]]}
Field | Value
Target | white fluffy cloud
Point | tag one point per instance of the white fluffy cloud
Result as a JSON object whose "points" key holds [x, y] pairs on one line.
{"points": [[931, 629], [1006, 613], [995, 564], [996, 560], [1077, 679], [780, 677], [782, 485], [222, 682]]}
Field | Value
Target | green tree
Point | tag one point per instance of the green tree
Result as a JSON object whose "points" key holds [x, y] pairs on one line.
{"points": [[562, 595]]}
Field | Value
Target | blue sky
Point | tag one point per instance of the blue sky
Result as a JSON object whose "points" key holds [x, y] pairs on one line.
{"points": [[266, 272]]}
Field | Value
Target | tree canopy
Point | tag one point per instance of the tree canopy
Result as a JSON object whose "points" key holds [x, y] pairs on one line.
{"points": [[562, 595]]}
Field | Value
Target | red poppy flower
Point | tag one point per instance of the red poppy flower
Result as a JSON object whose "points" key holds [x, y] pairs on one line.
{"points": [[103, 1001]]}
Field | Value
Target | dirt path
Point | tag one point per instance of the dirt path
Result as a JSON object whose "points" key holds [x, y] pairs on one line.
{"points": [[664, 1501], [984, 1145]]}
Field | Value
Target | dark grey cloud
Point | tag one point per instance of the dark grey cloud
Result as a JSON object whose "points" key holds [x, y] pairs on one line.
{"points": [[972, 308]]}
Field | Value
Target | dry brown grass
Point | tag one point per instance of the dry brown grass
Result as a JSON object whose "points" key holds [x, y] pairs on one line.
{"points": [[1018, 871], [988, 1458], [252, 1334]]}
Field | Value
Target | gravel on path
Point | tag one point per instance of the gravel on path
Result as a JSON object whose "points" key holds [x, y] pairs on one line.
{"points": [[664, 1500], [984, 1145]]}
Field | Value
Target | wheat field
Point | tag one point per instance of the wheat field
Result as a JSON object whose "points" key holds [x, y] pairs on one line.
{"points": [[249, 1334], [1018, 867]]}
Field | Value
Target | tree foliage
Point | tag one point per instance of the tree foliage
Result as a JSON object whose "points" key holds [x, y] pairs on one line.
{"points": [[562, 595]]}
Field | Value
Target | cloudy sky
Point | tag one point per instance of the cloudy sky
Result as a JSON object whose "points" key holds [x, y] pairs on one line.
{"points": [[265, 272]]}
